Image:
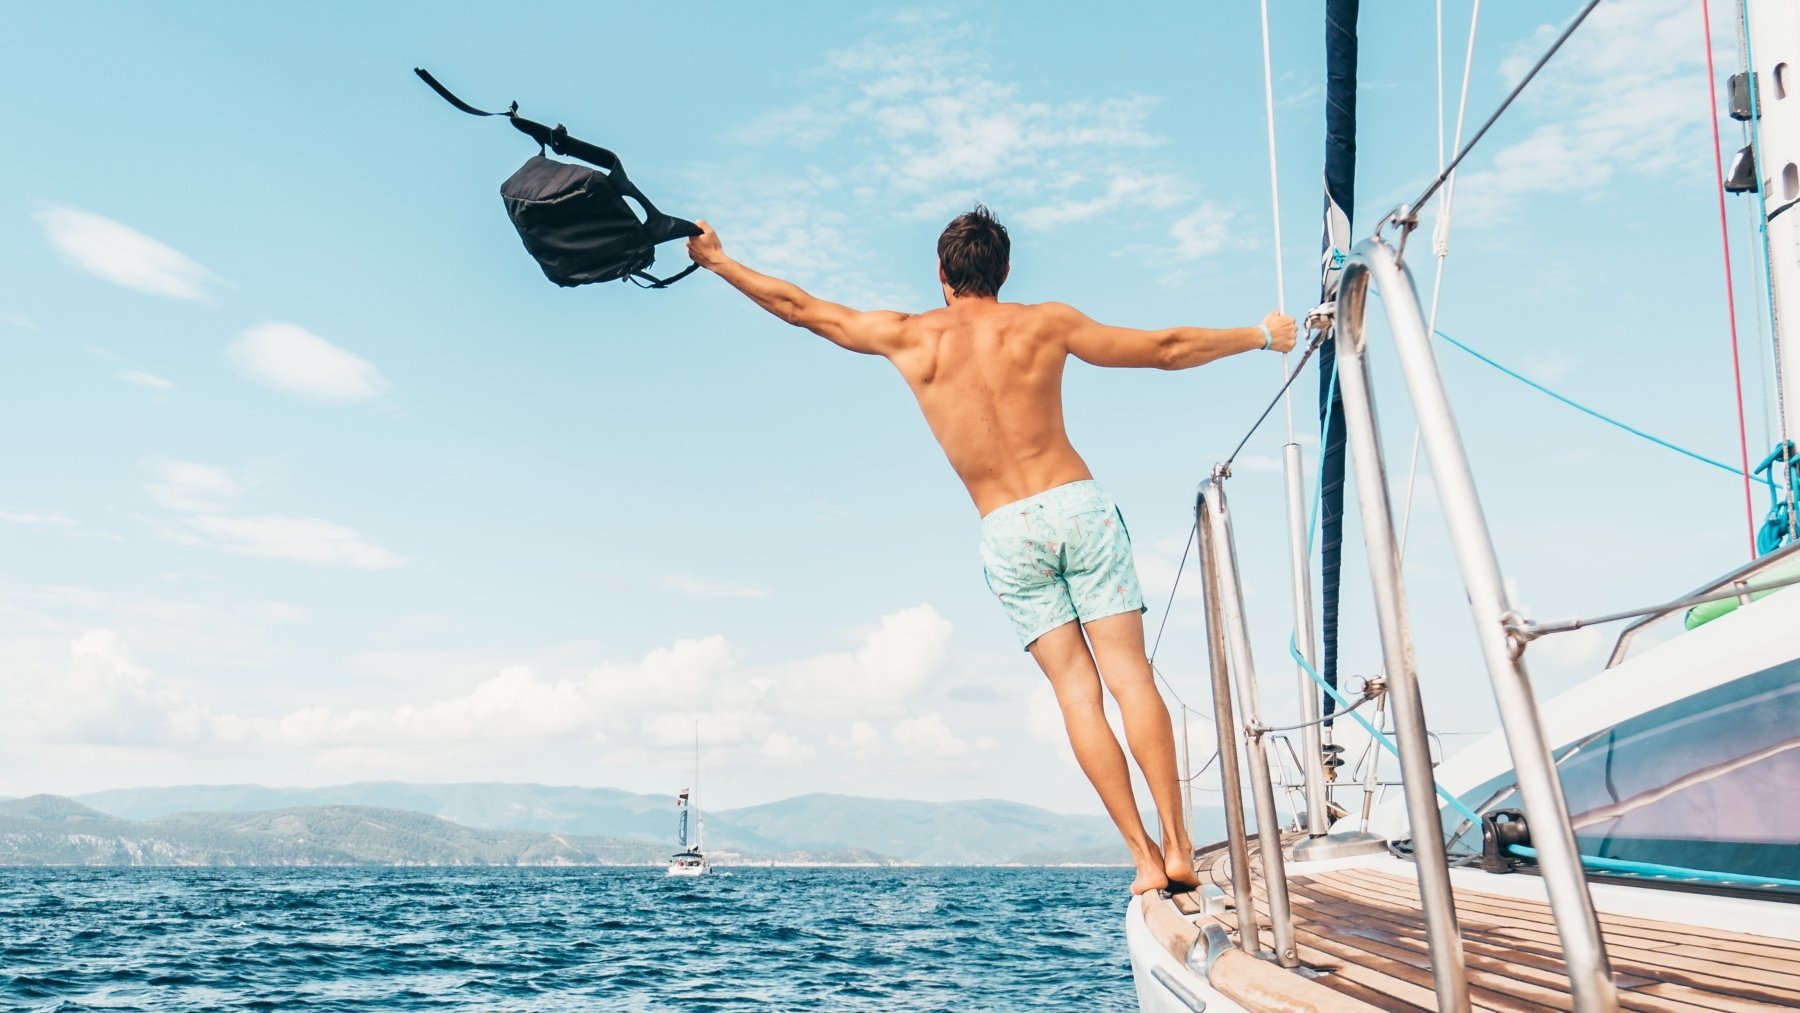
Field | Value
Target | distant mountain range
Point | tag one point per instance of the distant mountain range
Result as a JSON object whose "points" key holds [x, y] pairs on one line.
{"points": [[395, 823]]}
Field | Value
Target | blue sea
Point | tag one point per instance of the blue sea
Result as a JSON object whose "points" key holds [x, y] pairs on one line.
{"points": [[563, 939]]}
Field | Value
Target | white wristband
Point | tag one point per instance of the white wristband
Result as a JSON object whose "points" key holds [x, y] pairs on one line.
{"points": [[1268, 338]]}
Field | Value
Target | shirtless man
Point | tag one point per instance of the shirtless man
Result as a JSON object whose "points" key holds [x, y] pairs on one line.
{"points": [[988, 376]]}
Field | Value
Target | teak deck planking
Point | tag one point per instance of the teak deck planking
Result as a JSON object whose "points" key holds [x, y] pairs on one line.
{"points": [[1363, 928]]}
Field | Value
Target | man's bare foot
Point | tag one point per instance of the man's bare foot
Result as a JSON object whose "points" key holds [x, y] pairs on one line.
{"points": [[1150, 873], [1148, 880], [1179, 867]]}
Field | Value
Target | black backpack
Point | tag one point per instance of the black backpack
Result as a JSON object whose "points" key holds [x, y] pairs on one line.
{"points": [[575, 220]]}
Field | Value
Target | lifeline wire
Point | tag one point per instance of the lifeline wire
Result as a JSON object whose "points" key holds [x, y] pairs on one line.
{"points": [[1737, 362], [1479, 134]]}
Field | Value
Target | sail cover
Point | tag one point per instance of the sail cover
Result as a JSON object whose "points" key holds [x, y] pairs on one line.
{"points": [[1340, 200]]}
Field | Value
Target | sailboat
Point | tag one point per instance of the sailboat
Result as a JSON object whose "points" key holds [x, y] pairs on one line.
{"points": [[1633, 843], [690, 860]]}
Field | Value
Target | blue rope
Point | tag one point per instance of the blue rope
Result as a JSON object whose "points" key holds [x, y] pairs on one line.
{"points": [[1578, 406], [1387, 743], [1599, 864]]}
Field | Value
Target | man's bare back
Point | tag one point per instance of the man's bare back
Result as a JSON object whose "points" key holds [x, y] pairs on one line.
{"points": [[988, 376]]}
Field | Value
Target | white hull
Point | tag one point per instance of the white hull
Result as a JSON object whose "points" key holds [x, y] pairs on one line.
{"points": [[689, 863], [1165, 984]]}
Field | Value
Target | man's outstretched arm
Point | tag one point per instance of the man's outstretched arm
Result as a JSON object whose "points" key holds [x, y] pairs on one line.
{"points": [[1173, 348], [872, 333]]}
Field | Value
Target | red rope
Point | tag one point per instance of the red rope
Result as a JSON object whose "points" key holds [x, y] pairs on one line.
{"points": [[1737, 371]]}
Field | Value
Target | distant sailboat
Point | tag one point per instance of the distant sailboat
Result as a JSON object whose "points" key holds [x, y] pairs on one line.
{"points": [[690, 861]]}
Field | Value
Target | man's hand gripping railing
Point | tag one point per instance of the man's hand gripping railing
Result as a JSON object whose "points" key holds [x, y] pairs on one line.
{"points": [[1318, 327]]}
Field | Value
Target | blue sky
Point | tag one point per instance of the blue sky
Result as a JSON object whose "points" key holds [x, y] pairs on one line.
{"points": [[311, 476]]}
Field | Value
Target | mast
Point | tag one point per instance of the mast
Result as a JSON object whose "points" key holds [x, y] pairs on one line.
{"points": [[699, 821], [1768, 100], [1340, 202]]}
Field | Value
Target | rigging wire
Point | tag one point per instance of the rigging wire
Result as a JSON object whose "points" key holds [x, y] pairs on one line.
{"points": [[1171, 688], [1764, 342], [1287, 402], [1578, 406], [1737, 363], [1443, 176], [1441, 229], [1765, 313], [1180, 568], [1311, 347]]}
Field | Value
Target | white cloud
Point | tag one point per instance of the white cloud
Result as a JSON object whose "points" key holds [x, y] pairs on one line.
{"points": [[53, 521], [896, 663], [928, 739], [1621, 97], [786, 750], [1202, 233], [139, 378], [97, 691], [205, 494], [914, 121], [46, 519], [865, 739], [207, 626], [1158, 191], [188, 486], [123, 255], [290, 358], [713, 587], [301, 539]]}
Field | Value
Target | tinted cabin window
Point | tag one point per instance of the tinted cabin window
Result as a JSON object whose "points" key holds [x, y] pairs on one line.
{"points": [[1707, 782]]}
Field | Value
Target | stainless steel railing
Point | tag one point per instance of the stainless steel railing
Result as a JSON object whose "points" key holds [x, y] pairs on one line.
{"points": [[1229, 635], [1225, 727], [1443, 935], [1374, 262]]}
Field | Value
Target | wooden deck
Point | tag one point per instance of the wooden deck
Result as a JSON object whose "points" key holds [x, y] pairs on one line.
{"points": [[1363, 928]]}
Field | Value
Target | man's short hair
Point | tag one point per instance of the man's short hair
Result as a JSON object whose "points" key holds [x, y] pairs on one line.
{"points": [[974, 252]]}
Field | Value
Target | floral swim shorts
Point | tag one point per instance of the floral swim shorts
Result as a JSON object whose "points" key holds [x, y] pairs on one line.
{"points": [[1059, 556]]}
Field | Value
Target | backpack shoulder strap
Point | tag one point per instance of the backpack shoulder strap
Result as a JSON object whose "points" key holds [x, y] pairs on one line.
{"points": [[656, 282], [425, 75]]}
